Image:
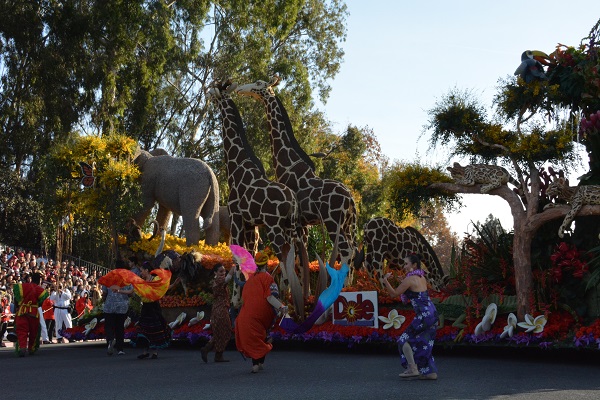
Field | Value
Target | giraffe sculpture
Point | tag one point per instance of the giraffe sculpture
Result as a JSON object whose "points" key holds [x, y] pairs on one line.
{"points": [[253, 199], [321, 200], [384, 240]]}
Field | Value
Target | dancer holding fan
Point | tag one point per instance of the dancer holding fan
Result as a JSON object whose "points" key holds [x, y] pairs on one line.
{"points": [[256, 315]]}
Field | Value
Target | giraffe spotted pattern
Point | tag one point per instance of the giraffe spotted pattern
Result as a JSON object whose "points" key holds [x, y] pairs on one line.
{"points": [[385, 241], [320, 200], [253, 199]]}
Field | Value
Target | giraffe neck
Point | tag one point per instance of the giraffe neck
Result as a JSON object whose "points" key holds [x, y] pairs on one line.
{"points": [[286, 151], [235, 144]]}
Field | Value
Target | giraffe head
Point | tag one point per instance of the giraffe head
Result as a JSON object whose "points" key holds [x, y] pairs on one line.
{"points": [[221, 90], [259, 89]]}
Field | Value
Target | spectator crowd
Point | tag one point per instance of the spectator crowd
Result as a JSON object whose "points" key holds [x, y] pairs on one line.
{"points": [[72, 281]]}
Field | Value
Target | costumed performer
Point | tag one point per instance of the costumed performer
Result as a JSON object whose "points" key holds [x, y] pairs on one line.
{"points": [[256, 314], [416, 343], [28, 298], [153, 332], [62, 313], [220, 322], [116, 304], [152, 284]]}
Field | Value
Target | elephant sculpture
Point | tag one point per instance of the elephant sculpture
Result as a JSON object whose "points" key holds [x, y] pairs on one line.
{"points": [[184, 186]]}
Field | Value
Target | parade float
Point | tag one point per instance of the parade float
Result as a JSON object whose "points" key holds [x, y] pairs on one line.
{"points": [[523, 289], [472, 311]]}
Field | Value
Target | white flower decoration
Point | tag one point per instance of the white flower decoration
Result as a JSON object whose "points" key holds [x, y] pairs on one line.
{"points": [[127, 322], [533, 325], [488, 319], [509, 329], [392, 320], [490, 316], [178, 320], [197, 318], [89, 326]]}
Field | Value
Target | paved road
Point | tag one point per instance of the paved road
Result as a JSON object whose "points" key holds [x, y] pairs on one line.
{"points": [[84, 371]]}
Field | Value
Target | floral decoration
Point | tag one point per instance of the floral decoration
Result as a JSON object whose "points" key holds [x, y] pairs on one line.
{"points": [[533, 325], [90, 325], [511, 326], [177, 321], [393, 319], [199, 316], [488, 319]]}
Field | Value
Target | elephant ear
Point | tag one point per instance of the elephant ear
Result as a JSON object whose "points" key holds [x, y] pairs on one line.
{"points": [[140, 157], [159, 152]]}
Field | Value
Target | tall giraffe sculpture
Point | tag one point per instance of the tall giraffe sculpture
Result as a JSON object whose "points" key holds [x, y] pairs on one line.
{"points": [[321, 200], [253, 199], [384, 240]]}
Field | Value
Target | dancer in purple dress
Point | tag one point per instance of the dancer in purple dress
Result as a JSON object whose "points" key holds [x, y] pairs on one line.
{"points": [[416, 343]]}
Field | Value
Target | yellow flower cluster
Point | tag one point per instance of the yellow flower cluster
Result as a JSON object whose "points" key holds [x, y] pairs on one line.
{"points": [[178, 244]]}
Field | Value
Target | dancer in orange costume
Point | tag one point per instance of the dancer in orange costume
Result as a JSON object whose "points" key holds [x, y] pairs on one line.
{"points": [[256, 315]]}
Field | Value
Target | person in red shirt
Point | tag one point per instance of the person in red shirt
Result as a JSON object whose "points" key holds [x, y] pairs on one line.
{"points": [[4, 314], [48, 310], [28, 297], [83, 303]]}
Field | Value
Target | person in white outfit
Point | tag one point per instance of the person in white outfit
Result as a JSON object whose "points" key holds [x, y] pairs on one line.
{"points": [[62, 301], [43, 330]]}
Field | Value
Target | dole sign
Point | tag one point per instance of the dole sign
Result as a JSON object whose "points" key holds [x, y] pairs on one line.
{"points": [[357, 309]]}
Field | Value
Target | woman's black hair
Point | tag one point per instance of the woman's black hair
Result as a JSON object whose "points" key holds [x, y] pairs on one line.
{"points": [[415, 259], [216, 267], [147, 266]]}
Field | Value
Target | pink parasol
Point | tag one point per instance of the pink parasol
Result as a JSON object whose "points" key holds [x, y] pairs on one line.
{"points": [[244, 259]]}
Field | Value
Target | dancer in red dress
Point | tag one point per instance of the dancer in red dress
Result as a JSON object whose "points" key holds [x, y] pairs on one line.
{"points": [[256, 315], [28, 297]]}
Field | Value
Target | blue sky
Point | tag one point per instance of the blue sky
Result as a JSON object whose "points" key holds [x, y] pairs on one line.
{"points": [[401, 57]]}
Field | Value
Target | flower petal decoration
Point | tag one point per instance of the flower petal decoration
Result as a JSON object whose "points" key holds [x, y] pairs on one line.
{"points": [[490, 316], [178, 320], [90, 325], [533, 325], [392, 320], [479, 328], [197, 318], [488, 319], [127, 322], [206, 327], [540, 323], [509, 329]]}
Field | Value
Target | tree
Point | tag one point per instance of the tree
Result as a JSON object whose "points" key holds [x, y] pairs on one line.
{"points": [[434, 227], [94, 210], [142, 68], [404, 181], [355, 159], [524, 147], [19, 213]]}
